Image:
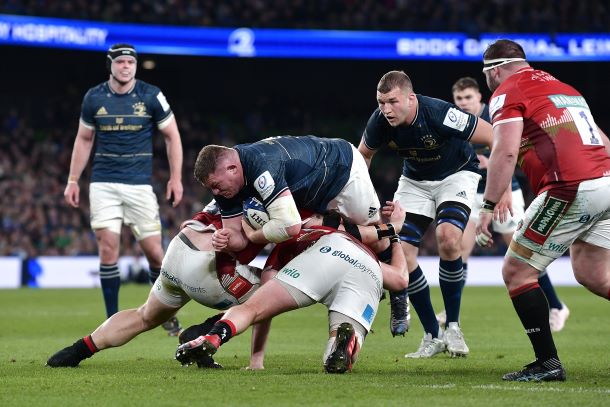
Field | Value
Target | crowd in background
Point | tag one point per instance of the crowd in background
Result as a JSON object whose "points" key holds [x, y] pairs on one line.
{"points": [[35, 156], [36, 143], [471, 16]]}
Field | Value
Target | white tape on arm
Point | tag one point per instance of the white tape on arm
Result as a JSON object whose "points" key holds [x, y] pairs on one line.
{"points": [[283, 213]]}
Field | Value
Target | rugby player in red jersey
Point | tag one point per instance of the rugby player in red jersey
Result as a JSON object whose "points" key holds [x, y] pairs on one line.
{"points": [[546, 127]]}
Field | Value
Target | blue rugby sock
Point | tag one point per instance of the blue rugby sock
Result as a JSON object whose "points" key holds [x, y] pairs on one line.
{"points": [[110, 278], [464, 273], [549, 291], [419, 293], [451, 281]]}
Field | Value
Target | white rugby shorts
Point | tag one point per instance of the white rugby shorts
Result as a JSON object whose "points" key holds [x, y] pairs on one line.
{"points": [[191, 274], [424, 197], [358, 200], [549, 229], [113, 204], [335, 272]]}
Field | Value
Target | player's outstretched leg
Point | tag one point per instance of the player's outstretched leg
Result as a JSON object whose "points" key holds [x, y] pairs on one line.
{"points": [[72, 355], [340, 359]]}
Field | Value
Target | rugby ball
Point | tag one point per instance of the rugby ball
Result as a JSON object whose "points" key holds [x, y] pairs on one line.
{"points": [[255, 213]]}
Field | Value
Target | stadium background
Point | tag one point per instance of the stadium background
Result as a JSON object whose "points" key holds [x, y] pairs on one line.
{"points": [[233, 100]]}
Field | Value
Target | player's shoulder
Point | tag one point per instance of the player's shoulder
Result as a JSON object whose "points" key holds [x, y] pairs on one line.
{"points": [[432, 104], [145, 88], [97, 90]]}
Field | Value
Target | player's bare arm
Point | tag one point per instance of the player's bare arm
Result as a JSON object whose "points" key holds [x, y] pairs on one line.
{"points": [[366, 152], [83, 144], [173, 147], [395, 274], [501, 166], [483, 134]]}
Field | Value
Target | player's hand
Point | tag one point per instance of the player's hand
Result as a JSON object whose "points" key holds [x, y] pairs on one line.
{"points": [[393, 212], [72, 194], [220, 239], [483, 161], [504, 208], [174, 192], [483, 235]]}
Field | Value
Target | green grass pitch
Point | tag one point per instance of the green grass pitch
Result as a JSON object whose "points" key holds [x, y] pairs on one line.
{"points": [[36, 323]]}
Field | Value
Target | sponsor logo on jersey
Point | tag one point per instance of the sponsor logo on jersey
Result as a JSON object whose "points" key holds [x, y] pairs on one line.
{"points": [[139, 109], [461, 194], [325, 249], [547, 218], [265, 185], [456, 119], [101, 111], [496, 103], [561, 101], [119, 120]]}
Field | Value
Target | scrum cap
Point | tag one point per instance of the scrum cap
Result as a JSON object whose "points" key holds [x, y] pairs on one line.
{"points": [[118, 50]]}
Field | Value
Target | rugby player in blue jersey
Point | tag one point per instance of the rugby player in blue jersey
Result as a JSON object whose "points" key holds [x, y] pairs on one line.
{"points": [[467, 96], [438, 182], [286, 173], [119, 116]]}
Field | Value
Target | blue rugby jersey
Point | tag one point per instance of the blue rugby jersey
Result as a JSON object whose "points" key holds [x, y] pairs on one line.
{"points": [[314, 169], [124, 125], [434, 146]]}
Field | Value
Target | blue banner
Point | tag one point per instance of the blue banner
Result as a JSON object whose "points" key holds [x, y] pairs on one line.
{"points": [[284, 43]]}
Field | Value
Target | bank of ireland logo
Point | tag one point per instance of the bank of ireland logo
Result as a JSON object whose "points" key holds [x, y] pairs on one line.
{"points": [[262, 182], [325, 249]]}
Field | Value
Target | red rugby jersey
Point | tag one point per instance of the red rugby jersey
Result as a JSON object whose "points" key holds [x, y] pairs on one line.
{"points": [[560, 145]]}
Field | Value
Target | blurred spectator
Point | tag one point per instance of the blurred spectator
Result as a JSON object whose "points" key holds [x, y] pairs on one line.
{"points": [[470, 16]]}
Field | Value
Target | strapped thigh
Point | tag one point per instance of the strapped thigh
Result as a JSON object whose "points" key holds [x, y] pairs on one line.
{"points": [[413, 228], [453, 212]]}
